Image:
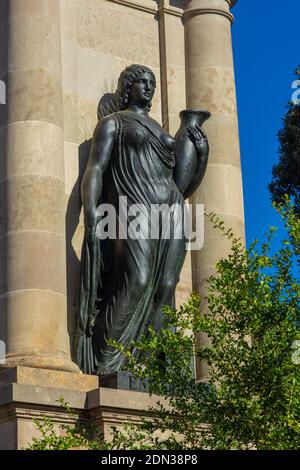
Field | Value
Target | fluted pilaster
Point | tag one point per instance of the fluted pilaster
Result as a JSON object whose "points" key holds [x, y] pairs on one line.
{"points": [[210, 84], [33, 261]]}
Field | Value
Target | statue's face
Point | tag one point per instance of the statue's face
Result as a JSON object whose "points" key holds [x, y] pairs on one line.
{"points": [[142, 90]]}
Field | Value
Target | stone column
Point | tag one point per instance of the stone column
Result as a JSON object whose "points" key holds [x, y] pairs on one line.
{"points": [[210, 84], [32, 220]]}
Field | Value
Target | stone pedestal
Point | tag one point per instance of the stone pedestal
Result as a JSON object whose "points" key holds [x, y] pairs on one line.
{"points": [[28, 393], [123, 381]]}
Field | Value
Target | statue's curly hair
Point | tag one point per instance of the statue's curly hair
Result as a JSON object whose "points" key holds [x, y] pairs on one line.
{"points": [[119, 101], [126, 80]]}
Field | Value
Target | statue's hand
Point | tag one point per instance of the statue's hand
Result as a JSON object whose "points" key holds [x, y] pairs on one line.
{"points": [[199, 139], [90, 225]]}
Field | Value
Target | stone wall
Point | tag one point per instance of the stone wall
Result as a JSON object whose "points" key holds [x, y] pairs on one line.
{"points": [[99, 39], [58, 58]]}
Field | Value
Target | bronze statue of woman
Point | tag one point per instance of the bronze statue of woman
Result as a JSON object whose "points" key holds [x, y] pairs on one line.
{"points": [[126, 281]]}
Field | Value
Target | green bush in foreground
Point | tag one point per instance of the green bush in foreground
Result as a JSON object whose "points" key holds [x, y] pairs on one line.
{"points": [[252, 397], [65, 437]]}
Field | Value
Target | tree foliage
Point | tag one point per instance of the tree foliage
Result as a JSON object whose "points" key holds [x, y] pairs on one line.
{"points": [[286, 173], [252, 397]]}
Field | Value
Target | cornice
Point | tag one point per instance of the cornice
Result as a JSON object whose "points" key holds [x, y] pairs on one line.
{"points": [[136, 4], [142, 6], [154, 10], [171, 11]]}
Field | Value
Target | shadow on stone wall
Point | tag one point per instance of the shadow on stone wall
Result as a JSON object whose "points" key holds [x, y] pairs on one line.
{"points": [[73, 212], [106, 106]]}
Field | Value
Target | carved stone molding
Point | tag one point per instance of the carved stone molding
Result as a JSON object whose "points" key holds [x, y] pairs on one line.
{"points": [[137, 5], [205, 11], [144, 6], [21, 403]]}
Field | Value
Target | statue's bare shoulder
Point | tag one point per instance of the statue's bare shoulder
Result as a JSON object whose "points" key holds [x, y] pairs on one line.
{"points": [[105, 129]]}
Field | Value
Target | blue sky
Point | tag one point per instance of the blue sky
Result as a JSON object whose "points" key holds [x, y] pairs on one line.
{"points": [[267, 50]]}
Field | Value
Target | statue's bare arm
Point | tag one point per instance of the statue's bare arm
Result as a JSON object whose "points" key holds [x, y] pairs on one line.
{"points": [[99, 157], [186, 180], [199, 138]]}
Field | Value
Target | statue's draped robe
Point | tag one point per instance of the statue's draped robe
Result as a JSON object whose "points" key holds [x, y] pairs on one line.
{"points": [[125, 282]]}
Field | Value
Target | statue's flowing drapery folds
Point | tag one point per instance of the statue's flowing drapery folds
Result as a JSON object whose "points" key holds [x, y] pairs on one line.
{"points": [[125, 282], [133, 192]]}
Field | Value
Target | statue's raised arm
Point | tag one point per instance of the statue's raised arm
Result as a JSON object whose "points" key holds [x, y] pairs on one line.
{"points": [[191, 152], [92, 182]]}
